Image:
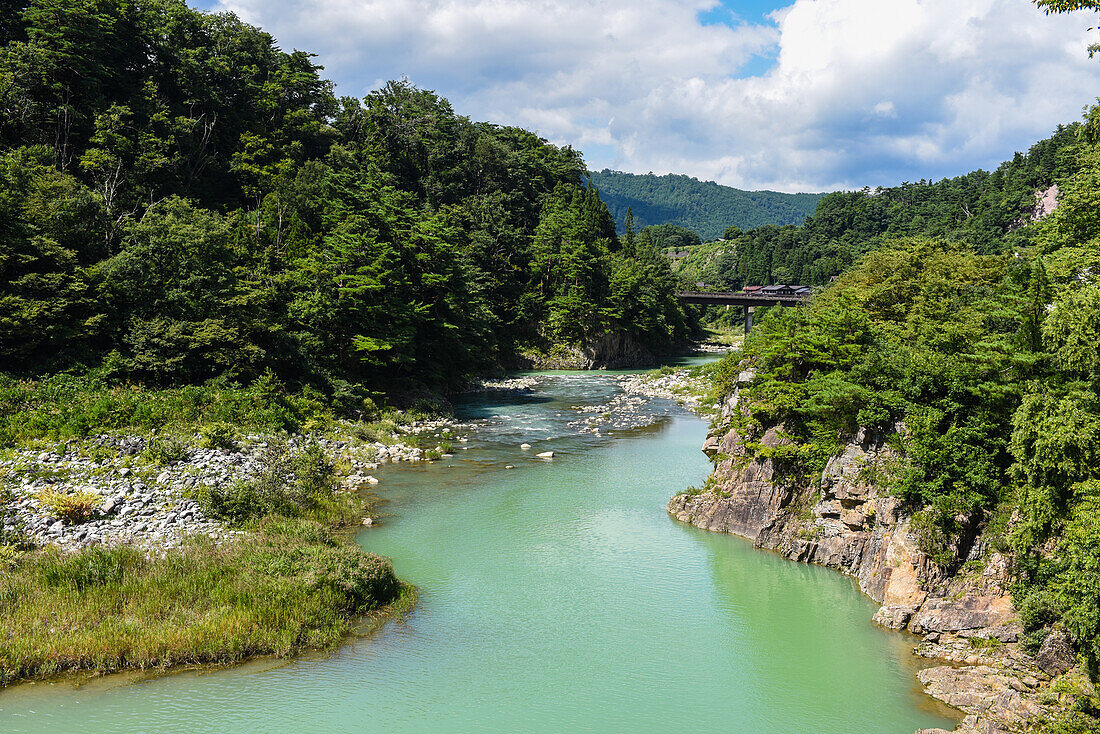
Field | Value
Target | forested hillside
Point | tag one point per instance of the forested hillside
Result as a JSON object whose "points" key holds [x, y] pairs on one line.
{"points": [[982, 211], [703, 206], [181, 200]]}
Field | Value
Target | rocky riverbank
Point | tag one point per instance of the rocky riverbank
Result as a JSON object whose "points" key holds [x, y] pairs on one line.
{"points": [[503, 385], [131, 493], [678, 385], [610, 351], [846, 522]]}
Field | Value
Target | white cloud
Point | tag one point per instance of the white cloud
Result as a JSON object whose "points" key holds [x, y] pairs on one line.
{"points": [[862, 92]]}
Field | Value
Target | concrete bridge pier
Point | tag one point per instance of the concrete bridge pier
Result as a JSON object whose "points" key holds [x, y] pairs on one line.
{"points": [[748, 318]]}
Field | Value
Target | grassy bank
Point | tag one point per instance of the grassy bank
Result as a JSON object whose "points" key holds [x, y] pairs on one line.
{"points": [[64, 406], [288, 585]]}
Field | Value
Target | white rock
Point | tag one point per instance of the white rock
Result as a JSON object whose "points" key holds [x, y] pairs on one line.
{"points": [[525, 446], [545, 455], [509, 466], [368, 521], [370, 480]]}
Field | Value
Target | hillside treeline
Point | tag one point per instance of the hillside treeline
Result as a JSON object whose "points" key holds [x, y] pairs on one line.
{"points": [[181, 200], [983, 212], [702, 206]]}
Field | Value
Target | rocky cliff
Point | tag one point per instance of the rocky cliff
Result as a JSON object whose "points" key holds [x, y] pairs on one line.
{"points": [[613, 350], [846, 521]]}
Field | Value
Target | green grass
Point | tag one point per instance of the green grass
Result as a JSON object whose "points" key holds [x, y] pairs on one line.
{"points": [[289, 586], [63, 406]]}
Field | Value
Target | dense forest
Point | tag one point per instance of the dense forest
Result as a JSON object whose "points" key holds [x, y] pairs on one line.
{"points": [[182, 201], [984, 212], [705, 207]]}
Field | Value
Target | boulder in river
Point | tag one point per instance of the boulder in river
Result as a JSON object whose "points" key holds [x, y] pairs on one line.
{"points": [[545, 455]]}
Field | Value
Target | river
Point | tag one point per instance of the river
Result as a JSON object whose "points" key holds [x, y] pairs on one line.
{"points": [[555, 596]]}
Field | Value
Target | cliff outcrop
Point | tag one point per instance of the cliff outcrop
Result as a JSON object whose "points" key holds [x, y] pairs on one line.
{"points": [[612, 350], [845, 520]]}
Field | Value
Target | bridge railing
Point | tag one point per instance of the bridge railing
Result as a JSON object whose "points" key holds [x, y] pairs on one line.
{"points": [[742, 294]]}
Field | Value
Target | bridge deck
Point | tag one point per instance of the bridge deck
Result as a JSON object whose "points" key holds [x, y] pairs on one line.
{"points": [[742, 299]]}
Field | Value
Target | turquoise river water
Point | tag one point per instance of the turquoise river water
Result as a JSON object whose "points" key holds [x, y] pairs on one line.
{"points": [[556, 596]]}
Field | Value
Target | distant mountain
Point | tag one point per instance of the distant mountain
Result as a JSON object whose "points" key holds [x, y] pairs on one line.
{"points": [[703, 206]]}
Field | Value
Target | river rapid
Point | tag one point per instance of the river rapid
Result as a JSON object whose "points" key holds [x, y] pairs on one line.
{"points": [[555, 596]]}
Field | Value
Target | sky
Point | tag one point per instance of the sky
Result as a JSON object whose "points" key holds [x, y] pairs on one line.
{"points": [[809, 95]]}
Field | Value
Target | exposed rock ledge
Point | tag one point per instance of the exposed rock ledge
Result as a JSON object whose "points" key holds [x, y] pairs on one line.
{"points": [[845, 523], [613, 350]]}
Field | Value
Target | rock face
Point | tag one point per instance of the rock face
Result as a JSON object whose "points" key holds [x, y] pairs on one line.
{"points": [[844, 521], [614, 350], [982, 690], [1056, 655], [1046, 201]]}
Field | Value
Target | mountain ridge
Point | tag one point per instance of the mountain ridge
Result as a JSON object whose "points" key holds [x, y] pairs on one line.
{"points": [[705, 207]]}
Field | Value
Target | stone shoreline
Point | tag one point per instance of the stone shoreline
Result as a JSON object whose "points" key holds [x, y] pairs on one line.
{"points": [[153, 506], [678, 386]]}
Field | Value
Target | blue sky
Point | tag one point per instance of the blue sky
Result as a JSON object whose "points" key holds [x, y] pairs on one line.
{"points": [[806, 95]]}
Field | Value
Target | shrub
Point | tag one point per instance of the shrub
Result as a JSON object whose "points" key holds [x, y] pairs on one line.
{"points": [[266, 493], [219, 436], [314, 472], [362, 581], [368, 409], [9, 554], [1070, 722], [285, 485], [164, 451], [72, 507], [933, 531]]}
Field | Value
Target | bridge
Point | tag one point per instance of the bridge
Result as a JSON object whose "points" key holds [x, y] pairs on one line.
{"points": [[750, 298]]}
